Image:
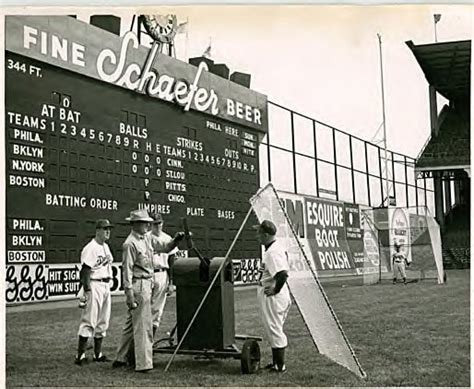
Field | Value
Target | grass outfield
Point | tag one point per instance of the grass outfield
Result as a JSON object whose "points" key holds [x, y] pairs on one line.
{"points": [[414, 335]]}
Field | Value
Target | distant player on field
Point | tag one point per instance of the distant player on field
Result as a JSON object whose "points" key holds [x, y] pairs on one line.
{"points": [[399, 260], [273, 293], [95, 276]]}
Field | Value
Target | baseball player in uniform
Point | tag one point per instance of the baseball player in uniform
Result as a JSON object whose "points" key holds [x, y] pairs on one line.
{"points": [[95, 276], [164, 249], [272, 293], [398, 264]]}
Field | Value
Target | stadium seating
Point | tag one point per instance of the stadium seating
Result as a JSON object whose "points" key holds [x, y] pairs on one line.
{"points": [[452, 144], [448, 260], [456, 239], [461, 257]]}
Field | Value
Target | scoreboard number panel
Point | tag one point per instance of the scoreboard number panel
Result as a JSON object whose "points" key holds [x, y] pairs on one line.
{"points": [[79, 149]]}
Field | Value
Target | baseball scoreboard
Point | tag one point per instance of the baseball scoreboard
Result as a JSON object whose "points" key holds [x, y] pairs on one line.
{"points": [[96, 126]]}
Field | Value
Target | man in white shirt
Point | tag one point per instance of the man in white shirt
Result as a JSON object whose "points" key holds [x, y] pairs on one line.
{"points": [[164, 249], [273, 293], [95, 276]]}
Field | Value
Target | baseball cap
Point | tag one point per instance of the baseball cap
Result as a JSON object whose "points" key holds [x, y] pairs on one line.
{"points": [[266, 226], [103, 223], [157, 218]]}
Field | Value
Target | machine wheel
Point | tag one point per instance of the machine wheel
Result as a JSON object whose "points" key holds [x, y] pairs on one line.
{"points": [[250, 357]]}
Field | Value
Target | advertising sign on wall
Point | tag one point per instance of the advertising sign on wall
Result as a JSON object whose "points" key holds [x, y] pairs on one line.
{"points": [[372, 255], [399, 222], [330, 232], [39, 282], [63, 42]]}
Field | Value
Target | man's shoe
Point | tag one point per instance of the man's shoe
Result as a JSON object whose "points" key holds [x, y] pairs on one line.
{"points": [[117, 364], [79, 360], [270, 366], [277, 369], [145, 371], [100, 358]]}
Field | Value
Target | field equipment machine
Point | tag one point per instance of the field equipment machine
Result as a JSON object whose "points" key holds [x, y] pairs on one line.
{"points": [[212, 330]]}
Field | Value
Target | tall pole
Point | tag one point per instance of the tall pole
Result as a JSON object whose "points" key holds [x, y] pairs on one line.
{"points": [[384, 124], [436, 19], [187, 42]]}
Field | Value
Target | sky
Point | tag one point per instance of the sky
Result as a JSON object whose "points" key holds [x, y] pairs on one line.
{"points": [[324, 61]]}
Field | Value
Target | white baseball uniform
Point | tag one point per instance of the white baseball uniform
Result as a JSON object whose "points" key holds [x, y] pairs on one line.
{"points": [[95, 316], [161, 275], [274, 309], [399, 265]]}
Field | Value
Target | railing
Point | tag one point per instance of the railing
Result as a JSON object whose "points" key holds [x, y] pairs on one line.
{"points": [[313, 157]]}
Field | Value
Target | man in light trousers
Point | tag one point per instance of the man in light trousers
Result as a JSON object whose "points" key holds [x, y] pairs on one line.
{"points": [[273, 294], [137, 268]]}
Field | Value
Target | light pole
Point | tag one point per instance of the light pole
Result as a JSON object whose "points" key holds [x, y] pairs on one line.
{"points": [[384, 126], [437, 18]]}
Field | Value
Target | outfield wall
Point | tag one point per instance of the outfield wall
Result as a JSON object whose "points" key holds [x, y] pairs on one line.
{"points": [[86, 138]]}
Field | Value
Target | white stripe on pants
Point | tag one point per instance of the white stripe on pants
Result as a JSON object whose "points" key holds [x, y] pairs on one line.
{"points": [[273, 311], [96, 315], [137, 331]]}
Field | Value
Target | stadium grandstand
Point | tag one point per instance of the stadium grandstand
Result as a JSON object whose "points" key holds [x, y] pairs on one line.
{"points": [[446, 155]]}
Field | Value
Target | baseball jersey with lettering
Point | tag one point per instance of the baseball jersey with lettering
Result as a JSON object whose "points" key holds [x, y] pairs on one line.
{"points": [[99, 258]]}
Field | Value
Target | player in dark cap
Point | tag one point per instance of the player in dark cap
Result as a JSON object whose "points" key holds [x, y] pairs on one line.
{"points": [[273, 293], [399, 260], [95, 276]]}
